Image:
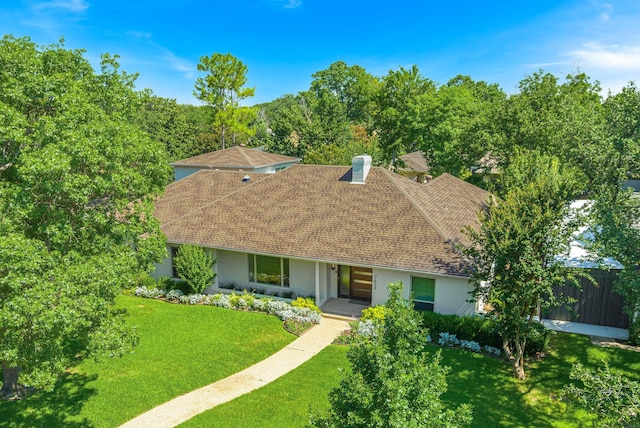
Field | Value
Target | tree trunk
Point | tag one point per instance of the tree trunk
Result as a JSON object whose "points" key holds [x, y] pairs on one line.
{"points": [[10, 386], [516, 357]]}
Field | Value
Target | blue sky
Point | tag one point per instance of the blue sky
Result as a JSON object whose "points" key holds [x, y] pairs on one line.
{"points": [[283, 42]]}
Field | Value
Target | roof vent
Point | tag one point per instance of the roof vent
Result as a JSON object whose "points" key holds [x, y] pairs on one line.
{"points": [[246, 179], [360, 168]]}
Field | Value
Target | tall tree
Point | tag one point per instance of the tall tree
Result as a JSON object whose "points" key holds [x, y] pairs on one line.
{"points": [[77, 179], [166, 121], [617, 210], [513, 254], [392, 381], [561, 119], [399, 129], [222, 89], [352, 87], [458, 127]]}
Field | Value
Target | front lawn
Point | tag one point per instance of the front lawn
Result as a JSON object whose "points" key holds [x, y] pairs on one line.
{"points": [[285, 402], [182, 348], [486, 383]]}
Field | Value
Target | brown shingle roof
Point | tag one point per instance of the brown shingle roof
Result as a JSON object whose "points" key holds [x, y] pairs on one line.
{"points": [[414, 162], [235, 158], [314, 212]]}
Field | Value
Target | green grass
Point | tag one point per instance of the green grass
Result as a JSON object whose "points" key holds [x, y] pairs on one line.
{"points": [[285, 402], [181, 348], [185, 347], [486, 383]]}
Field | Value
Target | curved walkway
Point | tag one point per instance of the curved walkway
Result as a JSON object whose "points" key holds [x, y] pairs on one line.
{"points": [[297, 352]]}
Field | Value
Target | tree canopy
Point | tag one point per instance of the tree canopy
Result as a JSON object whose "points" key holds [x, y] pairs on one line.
{"points": [[513, 253], [222, 89], [77, 179], [393, 382]]}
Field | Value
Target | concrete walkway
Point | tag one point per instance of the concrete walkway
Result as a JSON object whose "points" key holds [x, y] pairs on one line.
{"points": [[587, 329], [186, 406]]}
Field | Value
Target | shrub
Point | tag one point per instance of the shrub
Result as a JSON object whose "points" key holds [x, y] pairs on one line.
{"points": [[538, 339], [305, 302], [195, 267], [447, 339], [374, 313], [174, 295], [153, 293], [482, 330], [147, 281]]}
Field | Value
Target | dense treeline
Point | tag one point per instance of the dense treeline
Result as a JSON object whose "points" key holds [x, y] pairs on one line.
{"points": [[459, 126]]}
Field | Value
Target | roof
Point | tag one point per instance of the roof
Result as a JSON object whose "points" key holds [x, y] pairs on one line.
{"points": [[414, 162], [314, 212], [237, 157]]}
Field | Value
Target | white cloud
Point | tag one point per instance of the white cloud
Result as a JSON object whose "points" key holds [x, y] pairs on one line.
{"points": [[179, 64], [607, 57], [605, 15], [74, 6], [291, 4]]}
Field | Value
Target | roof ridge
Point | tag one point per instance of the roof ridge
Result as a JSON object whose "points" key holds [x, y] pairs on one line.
{"points": [[267, 177], [416, 205], [244, 155]]}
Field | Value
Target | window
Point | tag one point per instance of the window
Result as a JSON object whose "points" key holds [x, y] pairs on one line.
{"points": [[269, 270], [174, 252], [423, 290]]}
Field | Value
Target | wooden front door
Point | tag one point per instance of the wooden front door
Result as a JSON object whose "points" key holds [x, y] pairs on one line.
{"points": [[355, 282]]}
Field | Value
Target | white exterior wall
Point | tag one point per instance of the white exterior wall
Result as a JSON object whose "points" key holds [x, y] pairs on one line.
{"points": [[302, 274], [163, 268], [451, 294], [233, 266]]}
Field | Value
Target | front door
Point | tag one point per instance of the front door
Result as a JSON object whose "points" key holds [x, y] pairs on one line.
{"points": [[355, 282]]}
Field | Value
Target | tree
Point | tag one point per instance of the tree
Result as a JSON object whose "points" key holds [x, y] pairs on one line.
{"points": [[352, 87], [399, 129], [77, 180], [614, 398], [195, 266], [513, 253], [561, 119], [616, 210], [222, 89], [166, 122], [457, 124], [393, 382]]}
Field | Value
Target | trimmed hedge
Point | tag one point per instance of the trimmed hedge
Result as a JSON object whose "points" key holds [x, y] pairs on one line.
{"points": [[480, 329]]}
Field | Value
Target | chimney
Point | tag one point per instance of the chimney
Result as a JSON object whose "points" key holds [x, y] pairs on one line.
{"points": [[360, 168]]}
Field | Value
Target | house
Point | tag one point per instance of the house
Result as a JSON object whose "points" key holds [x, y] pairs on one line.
{"points": [[415, 167], [327, 231], [236, 158], [592, 303]]}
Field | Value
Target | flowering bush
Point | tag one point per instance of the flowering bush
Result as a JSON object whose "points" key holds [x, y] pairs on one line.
{"points": [[447, 339], [368, 328], [490, 350], [246, 301], [152, 293], [470, 345], [174, 295], [450, 340]]}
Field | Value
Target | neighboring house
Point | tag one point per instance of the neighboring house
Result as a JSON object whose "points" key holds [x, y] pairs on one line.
{"points": [[415, 167], [487, 166], [597, 303], [236, 158], [328, 231]]}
